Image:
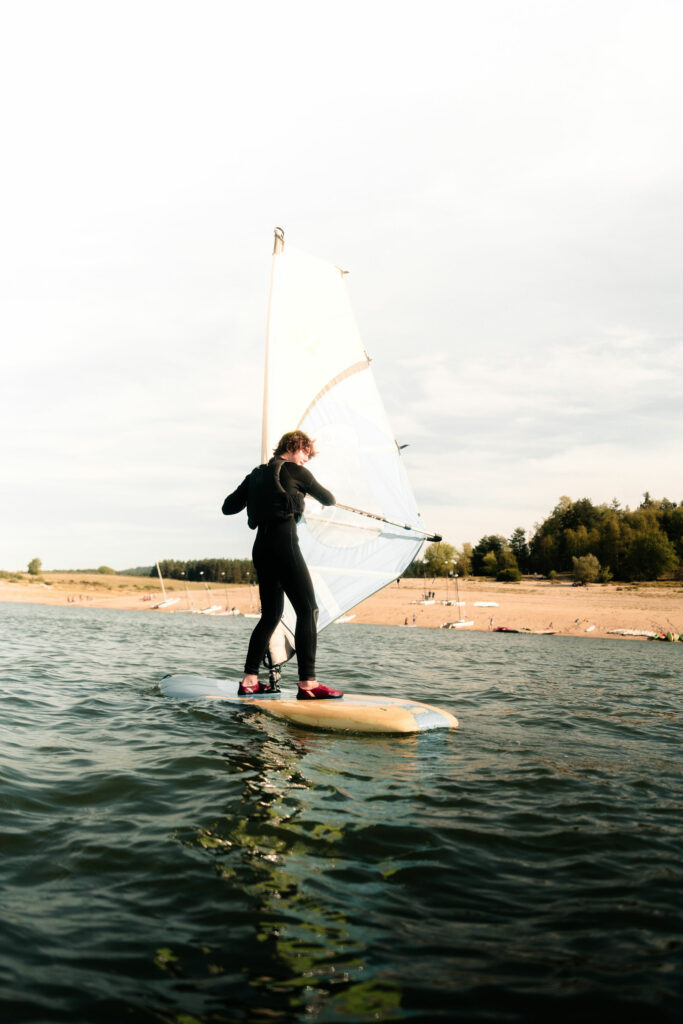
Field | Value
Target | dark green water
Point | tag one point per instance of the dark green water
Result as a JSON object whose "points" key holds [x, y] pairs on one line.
{"points": [[169, 862]]}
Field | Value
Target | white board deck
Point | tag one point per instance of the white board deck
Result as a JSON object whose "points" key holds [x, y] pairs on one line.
{"points": [[359, 712]]}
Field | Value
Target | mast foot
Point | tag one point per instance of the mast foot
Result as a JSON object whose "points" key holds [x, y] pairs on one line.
{"points": [[274, 675]]}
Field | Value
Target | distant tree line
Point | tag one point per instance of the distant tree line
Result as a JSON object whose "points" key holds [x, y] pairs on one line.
{"points": [[642, 545], [592, 542], [208, 570]]}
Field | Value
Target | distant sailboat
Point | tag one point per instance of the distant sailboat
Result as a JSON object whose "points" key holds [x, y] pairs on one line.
{"points": [[252, 613], [190, 602], [318, 379], [167, 600], [210, 609], [462, 622]]}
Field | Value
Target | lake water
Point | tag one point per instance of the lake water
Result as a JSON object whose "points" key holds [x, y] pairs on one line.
{"points": [[178, 863]]}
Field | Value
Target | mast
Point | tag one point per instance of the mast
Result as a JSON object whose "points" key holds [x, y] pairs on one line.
{"points": [[163, 588], [190, 602], [278, 247], [462, 621]]}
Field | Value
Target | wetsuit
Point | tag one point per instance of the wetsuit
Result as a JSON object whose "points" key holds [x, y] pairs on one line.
{"points": [[274, 498]]}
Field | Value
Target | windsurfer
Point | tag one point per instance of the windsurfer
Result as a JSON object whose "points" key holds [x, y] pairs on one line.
{"points": [[273, 496]]}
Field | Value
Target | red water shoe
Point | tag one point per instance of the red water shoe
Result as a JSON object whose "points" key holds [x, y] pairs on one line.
{"points": [[318, 692], [242, 691], [259, 688]]}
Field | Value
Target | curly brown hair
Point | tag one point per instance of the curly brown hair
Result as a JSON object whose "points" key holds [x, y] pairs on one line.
{"points": [[293, 441]]}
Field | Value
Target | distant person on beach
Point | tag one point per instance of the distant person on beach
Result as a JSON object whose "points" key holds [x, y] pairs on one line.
{"points": [[273, 496]]}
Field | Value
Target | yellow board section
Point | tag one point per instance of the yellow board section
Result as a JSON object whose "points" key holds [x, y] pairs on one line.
{"points": [[359, 716]]}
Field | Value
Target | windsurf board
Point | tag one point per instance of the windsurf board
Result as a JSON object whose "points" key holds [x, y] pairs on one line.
{"points": [[354, 712]]}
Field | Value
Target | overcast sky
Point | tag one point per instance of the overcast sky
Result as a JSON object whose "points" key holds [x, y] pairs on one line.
{"points": [[504, 181]]}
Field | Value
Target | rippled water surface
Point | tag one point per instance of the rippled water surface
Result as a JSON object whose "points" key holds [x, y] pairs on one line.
{"points": [[175, 862]]}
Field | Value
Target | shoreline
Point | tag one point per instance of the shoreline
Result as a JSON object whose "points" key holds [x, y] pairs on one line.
{"points": [[532, 606]]}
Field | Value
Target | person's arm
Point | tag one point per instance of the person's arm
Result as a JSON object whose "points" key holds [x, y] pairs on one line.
{"points": [[311, 486], [236, 501]]}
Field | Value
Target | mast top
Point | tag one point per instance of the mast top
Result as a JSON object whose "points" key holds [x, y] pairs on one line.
{"points": [[279, 242]]}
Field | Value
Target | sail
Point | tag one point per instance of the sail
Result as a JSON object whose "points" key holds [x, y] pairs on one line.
{"points": [[318, 379]]}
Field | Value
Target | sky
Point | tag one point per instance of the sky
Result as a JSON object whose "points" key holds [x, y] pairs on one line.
{"points": [[503, 180]]}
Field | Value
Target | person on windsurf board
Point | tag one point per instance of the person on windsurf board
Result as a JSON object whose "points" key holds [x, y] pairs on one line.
{"points": [[273, 495]]}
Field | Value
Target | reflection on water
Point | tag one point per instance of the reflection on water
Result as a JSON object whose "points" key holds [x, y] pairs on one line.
{"points": [[170, 862], [305, 955]]}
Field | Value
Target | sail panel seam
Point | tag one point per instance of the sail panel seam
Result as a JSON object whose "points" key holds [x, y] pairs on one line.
{"points": [[348, 372]]}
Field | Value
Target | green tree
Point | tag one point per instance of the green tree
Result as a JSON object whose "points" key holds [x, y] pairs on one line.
{"points": [[520, 548], [489, 564], [507, 558], [34, 566], [543, 553], [438, 559], [491, 543], [463, 560], [507, 567], [610, 547], [586, 568], [670, 520], [649, 556], [569, 530]]}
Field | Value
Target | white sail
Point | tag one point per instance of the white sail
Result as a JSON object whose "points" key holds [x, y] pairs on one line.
{"points": [[318, 379]]}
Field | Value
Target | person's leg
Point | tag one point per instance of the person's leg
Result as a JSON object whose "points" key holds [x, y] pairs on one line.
{"points": [[298, 587], [272, 604]]}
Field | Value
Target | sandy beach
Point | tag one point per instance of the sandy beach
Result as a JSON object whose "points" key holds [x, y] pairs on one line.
{"points": [[535, 606]]}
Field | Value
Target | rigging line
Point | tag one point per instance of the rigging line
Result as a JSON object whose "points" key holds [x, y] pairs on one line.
{"points": [[391, 522]]}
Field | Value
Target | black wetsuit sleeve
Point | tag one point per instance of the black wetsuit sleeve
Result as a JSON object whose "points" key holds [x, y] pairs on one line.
{"points": [[236, 501], [309, 485]]}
